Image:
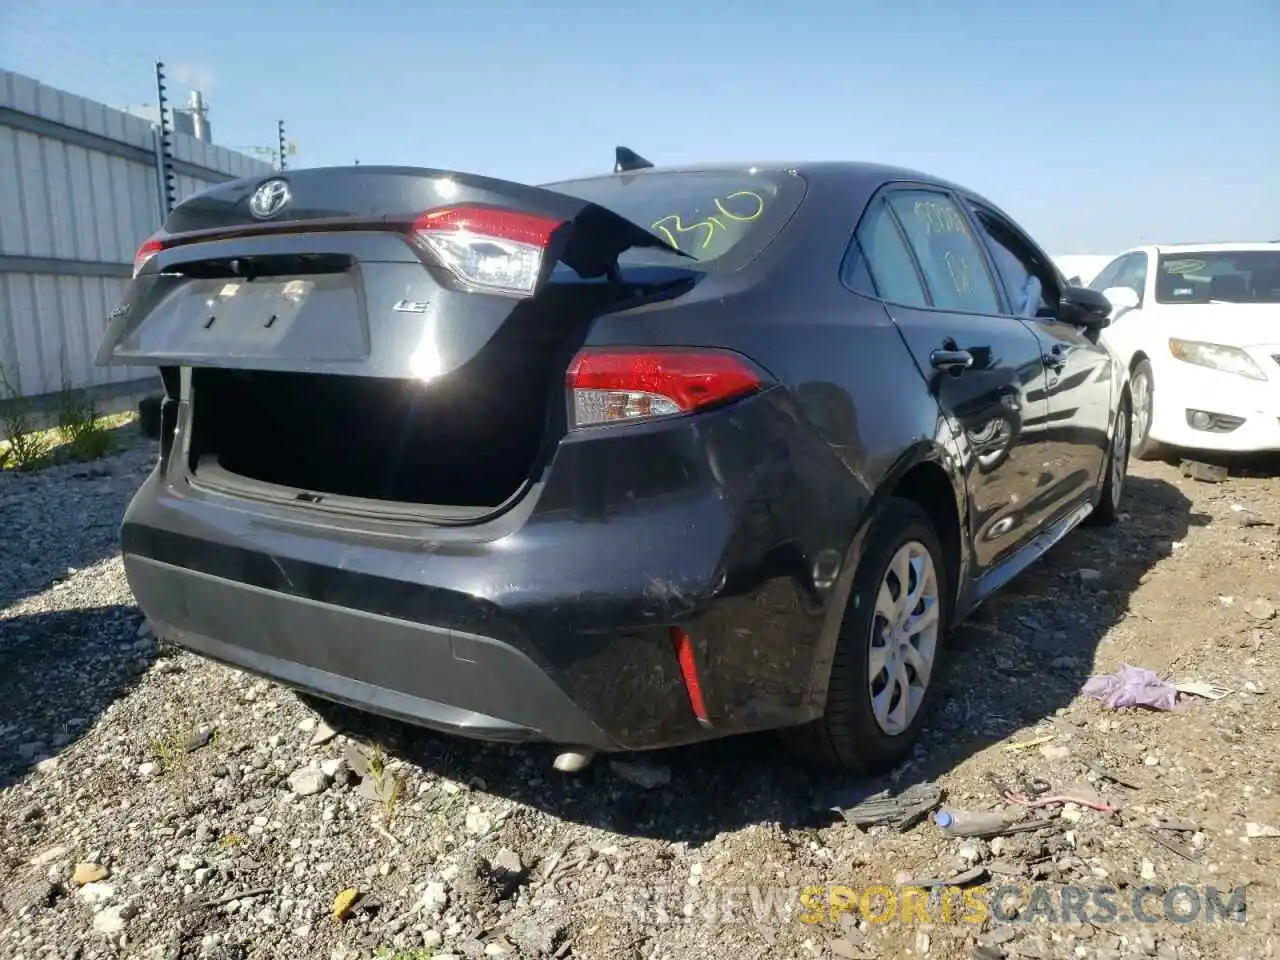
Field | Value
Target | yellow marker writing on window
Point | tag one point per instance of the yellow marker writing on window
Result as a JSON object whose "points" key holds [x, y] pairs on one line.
{"points": [[742, 206], [748, 204], [939, 217]]}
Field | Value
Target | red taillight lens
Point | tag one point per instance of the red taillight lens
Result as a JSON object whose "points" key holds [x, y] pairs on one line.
{"points": [[488, 248], [145, 252], [611, 385]]}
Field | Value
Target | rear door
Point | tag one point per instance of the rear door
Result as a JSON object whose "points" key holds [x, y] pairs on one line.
{"points": [[1077, 366], [918, 255]]}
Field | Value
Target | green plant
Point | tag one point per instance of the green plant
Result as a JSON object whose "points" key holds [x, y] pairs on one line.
{"points": [[80, 423], [28, 447], [166, 752], [388, 785]]}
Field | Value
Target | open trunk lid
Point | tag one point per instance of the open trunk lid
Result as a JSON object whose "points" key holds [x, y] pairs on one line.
{"points": [[366, 271], [397, 343]]}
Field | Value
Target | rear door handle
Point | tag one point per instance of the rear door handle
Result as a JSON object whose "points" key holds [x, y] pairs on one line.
{"points": [[952, 361]]}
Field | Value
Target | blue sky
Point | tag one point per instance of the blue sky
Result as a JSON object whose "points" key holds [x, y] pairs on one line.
{"points": [[1098, 126]]}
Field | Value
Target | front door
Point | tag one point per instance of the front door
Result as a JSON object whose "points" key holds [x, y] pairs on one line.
{"points": [[1078, 369], [984, 369]]}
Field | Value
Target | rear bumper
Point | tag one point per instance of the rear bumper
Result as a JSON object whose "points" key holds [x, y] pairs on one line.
{"points": [[551, 622], [429, 675]]}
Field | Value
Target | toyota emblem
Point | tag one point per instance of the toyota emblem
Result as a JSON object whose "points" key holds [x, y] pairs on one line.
{"points": [[269, 199]]}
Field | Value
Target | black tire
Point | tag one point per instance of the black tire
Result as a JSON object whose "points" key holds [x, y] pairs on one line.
{"points": [[847, 736], [1141, 446], [1107, 511]]}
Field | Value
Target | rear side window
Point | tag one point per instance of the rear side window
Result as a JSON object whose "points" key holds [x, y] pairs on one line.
{"points": [[948, 254], [882, 252], [707, 215]]}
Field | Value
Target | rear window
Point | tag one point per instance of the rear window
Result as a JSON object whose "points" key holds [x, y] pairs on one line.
{"points": [[707, 215], [1233, 276]]}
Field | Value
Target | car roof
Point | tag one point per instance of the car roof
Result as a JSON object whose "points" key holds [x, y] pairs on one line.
{"points": [[852, 172], [859, 178], [1224, 246]]}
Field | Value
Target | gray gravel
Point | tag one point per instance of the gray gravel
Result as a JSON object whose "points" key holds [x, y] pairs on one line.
{"points": [[156, 805]]}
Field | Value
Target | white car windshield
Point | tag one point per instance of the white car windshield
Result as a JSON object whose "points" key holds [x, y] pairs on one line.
{"points": [[1222, 276]]}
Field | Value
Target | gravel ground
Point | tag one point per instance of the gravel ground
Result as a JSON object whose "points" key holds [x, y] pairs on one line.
{"points": [[156, 805]]}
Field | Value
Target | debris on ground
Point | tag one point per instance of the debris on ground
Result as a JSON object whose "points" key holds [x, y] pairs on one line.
{"points": [[343, 902], [902, 811], [1204, 472], [1132, 687], [1250, 518], [1204, 689]]}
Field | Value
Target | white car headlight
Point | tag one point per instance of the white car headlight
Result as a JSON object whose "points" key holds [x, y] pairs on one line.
{"points": [[1217, 357]]}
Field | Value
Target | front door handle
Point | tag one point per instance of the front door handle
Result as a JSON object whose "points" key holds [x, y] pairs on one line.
{"points": [[953, 361], [1056, 358]]}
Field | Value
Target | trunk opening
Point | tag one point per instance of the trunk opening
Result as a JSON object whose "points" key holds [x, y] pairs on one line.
{"points": [[398, 441], [454, 449]]}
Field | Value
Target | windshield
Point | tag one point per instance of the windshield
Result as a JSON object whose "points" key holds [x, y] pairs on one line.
{"points": [[1225, 276], [705, 215]]}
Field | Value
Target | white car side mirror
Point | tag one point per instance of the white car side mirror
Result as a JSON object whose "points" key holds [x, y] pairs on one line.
{"points": [[1121, 299]]}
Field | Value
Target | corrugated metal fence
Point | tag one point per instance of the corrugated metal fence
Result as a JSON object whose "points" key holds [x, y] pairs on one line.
{"points": [[79, 190]]}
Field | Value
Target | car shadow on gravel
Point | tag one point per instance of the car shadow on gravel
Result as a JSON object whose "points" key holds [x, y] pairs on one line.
{"points": [[59, 670], [1022, 657]]}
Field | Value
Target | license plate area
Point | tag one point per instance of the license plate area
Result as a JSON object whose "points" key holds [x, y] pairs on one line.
{"points": [[314, 318]]}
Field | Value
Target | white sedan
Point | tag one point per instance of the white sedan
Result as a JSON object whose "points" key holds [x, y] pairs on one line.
{"points": [[1199, 327]]}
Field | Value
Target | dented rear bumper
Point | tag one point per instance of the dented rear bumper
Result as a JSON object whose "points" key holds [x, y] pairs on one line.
{"points": [[551, 622]]}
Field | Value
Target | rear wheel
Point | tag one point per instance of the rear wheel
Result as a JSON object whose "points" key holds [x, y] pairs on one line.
{"points": [[1142, 394], [885, 667]]}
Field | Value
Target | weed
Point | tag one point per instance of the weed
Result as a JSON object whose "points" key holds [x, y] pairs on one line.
{"points": [[167, 752], [27, 447], [80, 424], [230, 840], [377, 763], [412, 953], [388, 785]]}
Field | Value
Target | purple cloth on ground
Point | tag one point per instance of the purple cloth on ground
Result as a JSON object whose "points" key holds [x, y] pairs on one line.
{"points": [[1132, 687]]}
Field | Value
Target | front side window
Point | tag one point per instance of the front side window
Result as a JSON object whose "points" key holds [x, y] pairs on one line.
{"points": [[882, 252], [1222, 276], [1133, 274], [1030, 283], [1106, 277], [1129, 271], [948, 254]]}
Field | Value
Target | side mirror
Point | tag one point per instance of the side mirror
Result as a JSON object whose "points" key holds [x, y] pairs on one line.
{"points": [[1076, 281], [1084, 307], [1122, 299]]}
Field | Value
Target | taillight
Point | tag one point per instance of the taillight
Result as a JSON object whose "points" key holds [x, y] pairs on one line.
{"points": [[488, 248], [612, 385], [145, 252]]}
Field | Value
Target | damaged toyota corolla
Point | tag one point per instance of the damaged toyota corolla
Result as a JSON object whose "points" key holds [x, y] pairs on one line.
{"points": [[613, 464]]}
